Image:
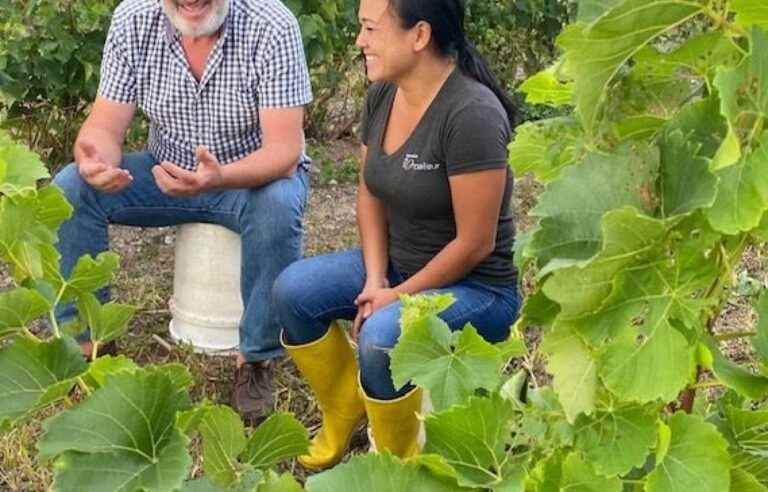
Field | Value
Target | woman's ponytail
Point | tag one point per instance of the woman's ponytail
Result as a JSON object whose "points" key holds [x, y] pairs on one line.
{"points": [[447, 20], [472, 63]]}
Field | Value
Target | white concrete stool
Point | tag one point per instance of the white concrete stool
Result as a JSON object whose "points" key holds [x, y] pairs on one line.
{"points": [[206, 305]]}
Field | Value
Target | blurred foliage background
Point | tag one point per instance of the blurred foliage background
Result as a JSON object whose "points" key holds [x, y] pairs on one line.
{"points": [[50, 52]]}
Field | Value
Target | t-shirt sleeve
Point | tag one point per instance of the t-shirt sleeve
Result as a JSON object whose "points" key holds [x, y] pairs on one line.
{"points": [[283, 74], [476, 139], [372, 99], [118, 77]]}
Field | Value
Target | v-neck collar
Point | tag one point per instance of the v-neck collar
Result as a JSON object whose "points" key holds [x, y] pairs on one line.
{"points": [[388, 108]]}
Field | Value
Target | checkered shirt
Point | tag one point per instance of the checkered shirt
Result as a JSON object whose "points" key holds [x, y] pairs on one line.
{"points": [[258, 61]]}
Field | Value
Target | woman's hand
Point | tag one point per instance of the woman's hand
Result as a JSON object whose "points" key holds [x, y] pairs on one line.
{"points": [[366, 304]]}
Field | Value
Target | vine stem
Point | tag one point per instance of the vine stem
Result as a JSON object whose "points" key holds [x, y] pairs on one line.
{"points": [[688, 396], [707, 384], [29, 333], [732, 336], [83, 386], [54, 324], [52, 314], [757, 128]]}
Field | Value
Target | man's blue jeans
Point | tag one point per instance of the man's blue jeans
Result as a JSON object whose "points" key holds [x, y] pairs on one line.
{"points": [[268, 220], [313, 292]]}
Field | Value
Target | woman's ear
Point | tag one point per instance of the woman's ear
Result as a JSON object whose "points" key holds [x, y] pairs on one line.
{"points": [[422, 36]]}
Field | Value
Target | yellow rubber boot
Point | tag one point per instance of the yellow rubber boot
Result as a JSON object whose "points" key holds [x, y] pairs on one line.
{"points": [[394, 424], [330, 368]]}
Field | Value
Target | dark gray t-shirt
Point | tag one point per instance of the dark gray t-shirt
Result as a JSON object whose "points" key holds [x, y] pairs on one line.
{"points": [[464, 130]]}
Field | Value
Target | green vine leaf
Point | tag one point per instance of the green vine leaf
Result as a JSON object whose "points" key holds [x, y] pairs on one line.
{"points": [[122, 438], [685, 182], [629, 237], [651, 358], [571, 473], [590, 10], [18, 307], [103, 367], [107, 322], [747, 433], [89, 275], [20, 168], [545, 147], [279, 437], [34, 374], [750, 12], [572, 207], [248, 483], [223, 441], [697, 458], [742, 481], [574, 371], [742, 196], [546, 88], [450, 365], [699, 56], [378, 473], [28, 223], [416, 308], [744, 98], [760, 341], [472, 438], [737, 378], [617, 440], [580, 476], [280, 483], [595, 53]]}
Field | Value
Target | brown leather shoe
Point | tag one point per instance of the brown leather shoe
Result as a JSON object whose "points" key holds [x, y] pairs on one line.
{"points": [[253, 393]]}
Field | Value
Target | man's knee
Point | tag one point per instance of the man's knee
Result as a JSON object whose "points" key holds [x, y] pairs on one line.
{"points": [[70, 182], [282, 200]]}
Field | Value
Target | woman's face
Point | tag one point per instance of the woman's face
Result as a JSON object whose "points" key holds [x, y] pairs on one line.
{"points": [[387, 47]]}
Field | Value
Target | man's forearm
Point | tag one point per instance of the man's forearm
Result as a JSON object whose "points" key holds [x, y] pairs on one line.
{"points": [[263, 166], [109, 146]]}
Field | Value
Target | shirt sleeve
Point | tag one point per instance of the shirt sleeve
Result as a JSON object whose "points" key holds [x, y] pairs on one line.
{"points": [[283, 76], [372, 97], [118, 77], [477, 137]]}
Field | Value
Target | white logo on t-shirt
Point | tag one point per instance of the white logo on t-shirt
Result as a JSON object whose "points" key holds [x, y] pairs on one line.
{"points": [[410, 164]]}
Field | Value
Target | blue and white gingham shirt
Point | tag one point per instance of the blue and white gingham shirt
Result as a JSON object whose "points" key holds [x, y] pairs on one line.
{"points": [[258, 61]]}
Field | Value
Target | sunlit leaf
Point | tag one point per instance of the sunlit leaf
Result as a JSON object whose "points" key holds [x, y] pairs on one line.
{"points": [[122, 438], [34, 374]]}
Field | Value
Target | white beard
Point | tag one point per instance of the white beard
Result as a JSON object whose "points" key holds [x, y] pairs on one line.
{"points": [[206, 27]]}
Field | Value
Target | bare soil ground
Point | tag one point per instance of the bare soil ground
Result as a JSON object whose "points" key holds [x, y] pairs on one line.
{"points": [[145, 280]]}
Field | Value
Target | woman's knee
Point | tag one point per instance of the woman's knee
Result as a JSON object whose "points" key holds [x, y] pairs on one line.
{"points": [[378, 335], [289, 287]]}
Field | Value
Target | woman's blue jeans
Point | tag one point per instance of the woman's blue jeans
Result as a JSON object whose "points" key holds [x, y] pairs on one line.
{"points": [[268, 220], [313, 292]]}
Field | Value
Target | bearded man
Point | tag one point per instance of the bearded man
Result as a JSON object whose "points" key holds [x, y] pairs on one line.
{"points": [[223, 84]]}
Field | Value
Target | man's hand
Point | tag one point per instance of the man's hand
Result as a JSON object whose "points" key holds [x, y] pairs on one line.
{"points": [[177, 182], [97, 173]]}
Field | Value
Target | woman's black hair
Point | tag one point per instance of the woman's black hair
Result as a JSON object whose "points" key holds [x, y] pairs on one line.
{"points": [[446, 17]]}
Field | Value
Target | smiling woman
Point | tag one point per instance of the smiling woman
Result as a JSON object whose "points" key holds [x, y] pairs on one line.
{"points": [[196, 18], [434, 216]]}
